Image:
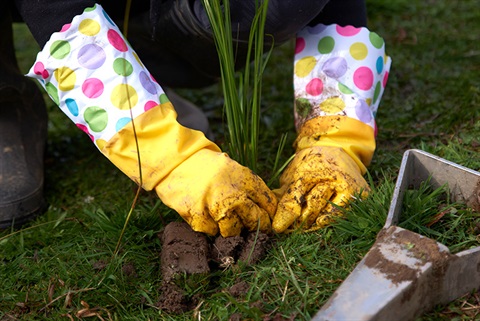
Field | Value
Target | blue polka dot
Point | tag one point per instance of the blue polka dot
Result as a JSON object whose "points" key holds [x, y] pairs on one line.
{"points": [[122, 122], [72, 106], [108, 18], [379, 65]]}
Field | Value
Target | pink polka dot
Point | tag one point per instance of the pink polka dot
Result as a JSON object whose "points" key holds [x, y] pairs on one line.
{"points": [[153, 79], [385, 79], [314, 87], [85, 129], [116, 40], [347, 31], [65, 27], [299, 45], [39, 69], [150, 104], [363, 78], [92, 87]]}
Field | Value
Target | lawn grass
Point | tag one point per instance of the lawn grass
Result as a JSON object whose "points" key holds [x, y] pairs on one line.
{"points": [[64, 259]]}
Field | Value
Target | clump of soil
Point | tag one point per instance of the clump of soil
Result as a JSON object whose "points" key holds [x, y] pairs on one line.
{"points": [[249, 248], [183, 251], [186, 252]]}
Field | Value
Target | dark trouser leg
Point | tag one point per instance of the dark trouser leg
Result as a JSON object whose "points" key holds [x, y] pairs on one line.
{"points": [[343, 12], [23, 127], [186, 54]]}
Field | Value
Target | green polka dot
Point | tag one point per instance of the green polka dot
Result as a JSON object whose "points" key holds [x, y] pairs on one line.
{"points": [[59, 49], [122, 67], [376, 40], [303, 107], [344, 89], [52, 92], [90, 9], [378, 87], [163, 99], [325, 45], [96, 118]]}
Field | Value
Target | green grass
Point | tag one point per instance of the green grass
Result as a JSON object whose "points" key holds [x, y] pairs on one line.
{"points": [[432, 102]]}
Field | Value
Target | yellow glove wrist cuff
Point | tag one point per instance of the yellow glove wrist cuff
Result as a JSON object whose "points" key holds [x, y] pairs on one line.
{"points": [[163, 144], [355, 137]]}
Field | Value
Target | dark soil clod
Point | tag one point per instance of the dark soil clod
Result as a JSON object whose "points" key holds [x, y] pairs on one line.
{"points": [[186, 252], [183, 251]]}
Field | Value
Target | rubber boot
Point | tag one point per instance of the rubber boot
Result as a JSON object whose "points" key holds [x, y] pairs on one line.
{"points": [[23, 132]]}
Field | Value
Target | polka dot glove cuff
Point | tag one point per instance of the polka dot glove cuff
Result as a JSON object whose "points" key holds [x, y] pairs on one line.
{"points": [[98, 81], [95, 77], [339, 71], [340, 74]]}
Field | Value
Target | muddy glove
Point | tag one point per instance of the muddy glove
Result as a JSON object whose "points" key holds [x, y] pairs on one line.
{"points": [[339, 77], [92, 73]]}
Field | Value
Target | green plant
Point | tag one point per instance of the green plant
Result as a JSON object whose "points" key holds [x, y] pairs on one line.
{"points": [[242, 94]]}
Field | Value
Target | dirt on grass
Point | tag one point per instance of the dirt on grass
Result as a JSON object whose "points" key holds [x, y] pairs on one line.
{"points": [[189, 253]]}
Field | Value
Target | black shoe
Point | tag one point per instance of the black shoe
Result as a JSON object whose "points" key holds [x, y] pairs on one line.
{"points": [[23, 132]]}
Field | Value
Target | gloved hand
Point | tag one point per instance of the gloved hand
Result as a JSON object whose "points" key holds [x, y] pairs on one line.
{"points": [[327, 169], [317, 177], [191, 175], [339, 77], [99, 82], [213, 192]]}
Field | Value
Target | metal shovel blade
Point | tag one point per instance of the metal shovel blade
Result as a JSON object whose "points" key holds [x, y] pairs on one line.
{"points": [[405, 274]]}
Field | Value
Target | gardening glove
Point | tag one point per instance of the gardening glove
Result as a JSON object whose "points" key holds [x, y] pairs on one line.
{"points": [[95, 77], [339, 77]]}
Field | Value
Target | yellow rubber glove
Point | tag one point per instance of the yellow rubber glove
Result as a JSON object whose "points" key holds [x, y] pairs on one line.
{"points": [[317, 178], [213, 192], [190, 174], [327, 169], [339, 76], [99, 82]]}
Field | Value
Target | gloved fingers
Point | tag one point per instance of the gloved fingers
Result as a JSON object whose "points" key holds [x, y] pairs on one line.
{"points": [[243, 213], [254, 216], [201, 222], [290, 206], [339, 199], [316, 200], [278, 192], [230, 224], [258, 192], [345, 192], [322, 220]]}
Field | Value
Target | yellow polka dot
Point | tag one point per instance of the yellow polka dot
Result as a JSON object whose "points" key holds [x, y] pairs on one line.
{"points": [[358, 51], [124, 97], [137, 59], [332, 105], [65, 77], [89, 27], [100, 143], [368, 101], [304, 66]]}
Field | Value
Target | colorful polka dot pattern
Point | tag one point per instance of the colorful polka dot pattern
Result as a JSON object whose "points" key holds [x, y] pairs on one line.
{"points": [[339, 71], [95, 77]]}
